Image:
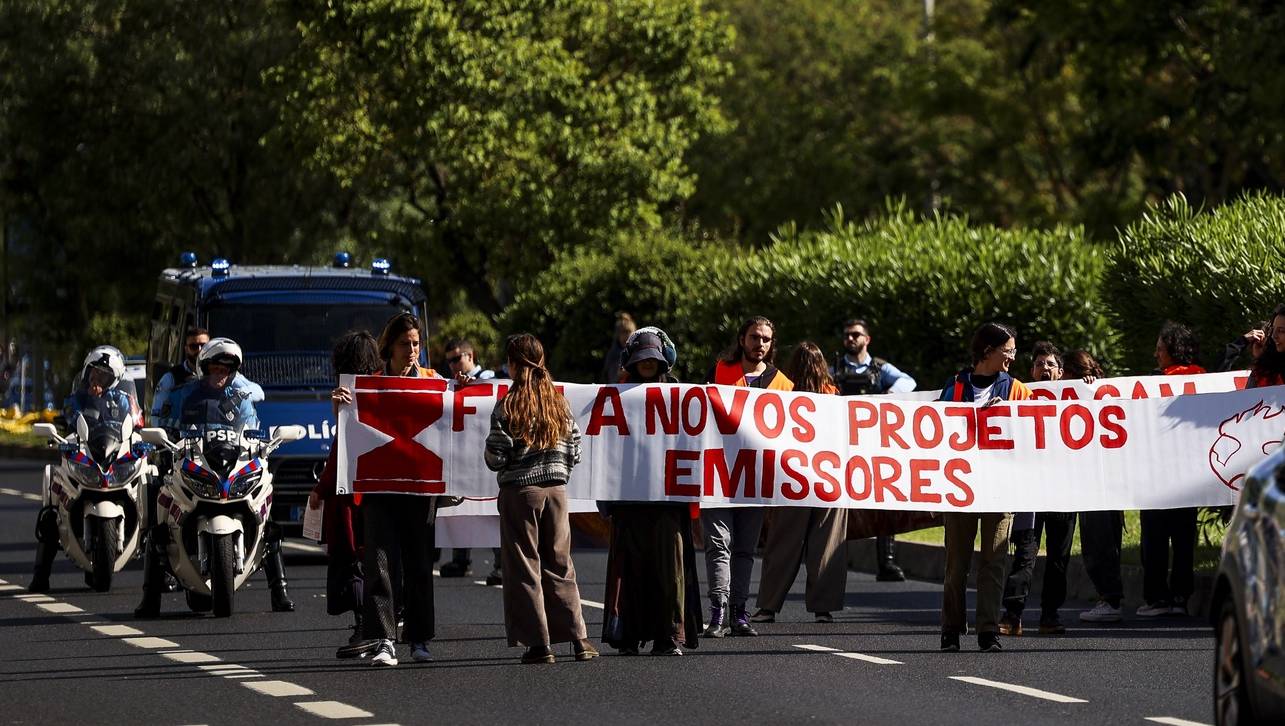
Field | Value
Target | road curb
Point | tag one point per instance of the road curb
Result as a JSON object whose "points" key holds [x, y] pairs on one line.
{"points": [[928, 562]]}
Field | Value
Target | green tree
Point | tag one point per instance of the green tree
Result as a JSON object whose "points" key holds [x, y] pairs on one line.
{"points": [[502, 133]]}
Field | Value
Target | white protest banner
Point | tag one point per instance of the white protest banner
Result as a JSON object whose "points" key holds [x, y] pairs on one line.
{"points": [[718, 444], [1134, 387]]}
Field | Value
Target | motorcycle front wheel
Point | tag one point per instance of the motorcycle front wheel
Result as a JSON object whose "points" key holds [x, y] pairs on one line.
{"points": [[104, 553], [223, 573]]}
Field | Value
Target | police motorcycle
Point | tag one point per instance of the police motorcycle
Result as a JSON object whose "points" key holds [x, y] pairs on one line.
{"points": [[215, 504], [95, 490]]}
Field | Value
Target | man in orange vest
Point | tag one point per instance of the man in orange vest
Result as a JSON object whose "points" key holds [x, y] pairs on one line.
{"points": [[732, 533]]}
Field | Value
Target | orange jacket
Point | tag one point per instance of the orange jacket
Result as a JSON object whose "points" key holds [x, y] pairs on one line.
{"points": [[731, 374]]}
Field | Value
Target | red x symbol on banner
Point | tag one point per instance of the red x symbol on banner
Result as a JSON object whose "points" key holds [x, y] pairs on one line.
{"points": [[402, 408]]}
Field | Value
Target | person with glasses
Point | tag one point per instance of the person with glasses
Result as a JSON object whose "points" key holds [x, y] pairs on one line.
{"points": [[462, 361], [1058, 529], [857, 373], [987, 382]]}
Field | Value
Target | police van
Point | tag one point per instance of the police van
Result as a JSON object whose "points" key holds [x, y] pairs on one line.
{"points": [[286, 319]]}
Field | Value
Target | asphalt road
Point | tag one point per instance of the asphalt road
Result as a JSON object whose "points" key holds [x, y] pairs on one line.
{"points": [[79, 656]]}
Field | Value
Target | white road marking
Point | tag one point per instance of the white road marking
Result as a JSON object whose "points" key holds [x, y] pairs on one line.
{"points": [[304, 547], [32, 497], [246, 674], [220, 669], [191, 657], [332, 709], [9, 588], [480, 582], [117, 631], [592, 604], [59, 607], [11, 492], [1171, 721], [1024, 690], [848, 654], [151, 643], [35, 598], [278, 689]]}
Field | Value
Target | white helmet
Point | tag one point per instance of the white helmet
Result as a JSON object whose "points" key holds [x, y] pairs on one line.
{"points": [[107, 359], [224, 351]]}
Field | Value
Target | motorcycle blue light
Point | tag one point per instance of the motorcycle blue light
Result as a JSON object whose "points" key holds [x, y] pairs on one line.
{"points": [[380, 266], [187, 259], [342, 260], [219, 267]]}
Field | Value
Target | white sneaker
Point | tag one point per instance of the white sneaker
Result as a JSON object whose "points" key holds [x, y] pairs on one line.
{"points": [[419, 653], [1153, 610], [1102, 613], [386, 655]]}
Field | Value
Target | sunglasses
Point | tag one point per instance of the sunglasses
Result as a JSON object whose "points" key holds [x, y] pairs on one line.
{"points": [[454, 359]]}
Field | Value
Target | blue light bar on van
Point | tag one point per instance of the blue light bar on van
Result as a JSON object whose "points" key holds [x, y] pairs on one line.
{"points": [[342, 260], [380, 266], [187, 259], [219, 267]]}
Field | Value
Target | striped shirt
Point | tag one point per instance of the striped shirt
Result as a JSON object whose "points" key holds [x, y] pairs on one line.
{"points": [[517, 465]]}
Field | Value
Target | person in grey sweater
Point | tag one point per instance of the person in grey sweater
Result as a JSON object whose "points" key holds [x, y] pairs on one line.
{"points": [[532, 446]]}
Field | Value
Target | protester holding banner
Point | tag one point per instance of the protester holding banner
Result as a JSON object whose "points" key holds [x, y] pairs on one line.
{"points": [[399, 525], [1058, 529], [1269, 366], [652, 593], [732, 533], [817, 533], [1101, 532], [993, 349], [533, 444], [357, 353], [858, 373], [1176, 353]]}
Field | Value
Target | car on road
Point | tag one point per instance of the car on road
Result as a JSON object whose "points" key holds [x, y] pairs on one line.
{"points": [[1248, 606]]}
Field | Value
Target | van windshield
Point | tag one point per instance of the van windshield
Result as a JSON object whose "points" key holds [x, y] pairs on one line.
{"points": [[288, 345]]}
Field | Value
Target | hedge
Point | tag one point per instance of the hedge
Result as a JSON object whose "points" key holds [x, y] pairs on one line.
{"points": [[1218, 271], [923, 284]]}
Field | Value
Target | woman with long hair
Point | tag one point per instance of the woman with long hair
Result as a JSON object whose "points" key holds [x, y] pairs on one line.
{"points": [[533, 445], [815, 533], [986, 382], [1269, 367], [399, 528]]}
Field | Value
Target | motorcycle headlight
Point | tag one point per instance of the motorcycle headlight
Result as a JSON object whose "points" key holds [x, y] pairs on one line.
{"points": [[243, 484], [200, 481], [86, 472], [125, 469]]}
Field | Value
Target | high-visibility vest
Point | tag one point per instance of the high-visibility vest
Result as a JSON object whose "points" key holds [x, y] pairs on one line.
{"points": [[731, 374]]}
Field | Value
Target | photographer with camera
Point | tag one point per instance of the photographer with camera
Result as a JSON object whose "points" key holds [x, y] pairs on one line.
{"points": [[857, 373]]}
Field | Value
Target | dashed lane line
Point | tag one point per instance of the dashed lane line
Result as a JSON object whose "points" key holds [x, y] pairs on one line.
{"points": [[1014, 688], [25, 495], [303, 547], [332, 709], [848, 654], [279, 689], [593, 604], [1171, 721], [148, 642], [9, 588], [210, 664]]}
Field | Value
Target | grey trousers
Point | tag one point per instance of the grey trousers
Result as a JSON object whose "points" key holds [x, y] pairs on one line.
{"points": [[541, 597], [817, 533], [731, 536], [961, 529]]}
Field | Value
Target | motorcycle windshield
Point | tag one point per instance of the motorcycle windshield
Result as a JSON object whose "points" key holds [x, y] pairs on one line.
{"points": [[104, 430]]}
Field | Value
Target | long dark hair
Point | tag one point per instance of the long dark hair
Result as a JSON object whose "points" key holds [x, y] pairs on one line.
{"points": [[356, 353], [735, 352], [1081, 363], [989, 337], [1180, 342], [537, 414], [1271, 364], [393, 329], [807, 369]]}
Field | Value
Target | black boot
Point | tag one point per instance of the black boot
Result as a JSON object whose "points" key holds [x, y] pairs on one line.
{"points": [[274, 567], [461, 561], [46, 549], [886, 550], [153, 574]]}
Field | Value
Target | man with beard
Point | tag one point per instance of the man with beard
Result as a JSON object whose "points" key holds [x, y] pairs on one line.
{"points": [[857, 373], [732, 533], [1059, 529]]}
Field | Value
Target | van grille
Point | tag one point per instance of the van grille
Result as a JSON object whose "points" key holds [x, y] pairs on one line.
{"points": [[289, 369]]}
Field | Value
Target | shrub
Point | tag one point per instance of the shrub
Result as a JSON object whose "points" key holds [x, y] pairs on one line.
{"points": [[1217, 271]]}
